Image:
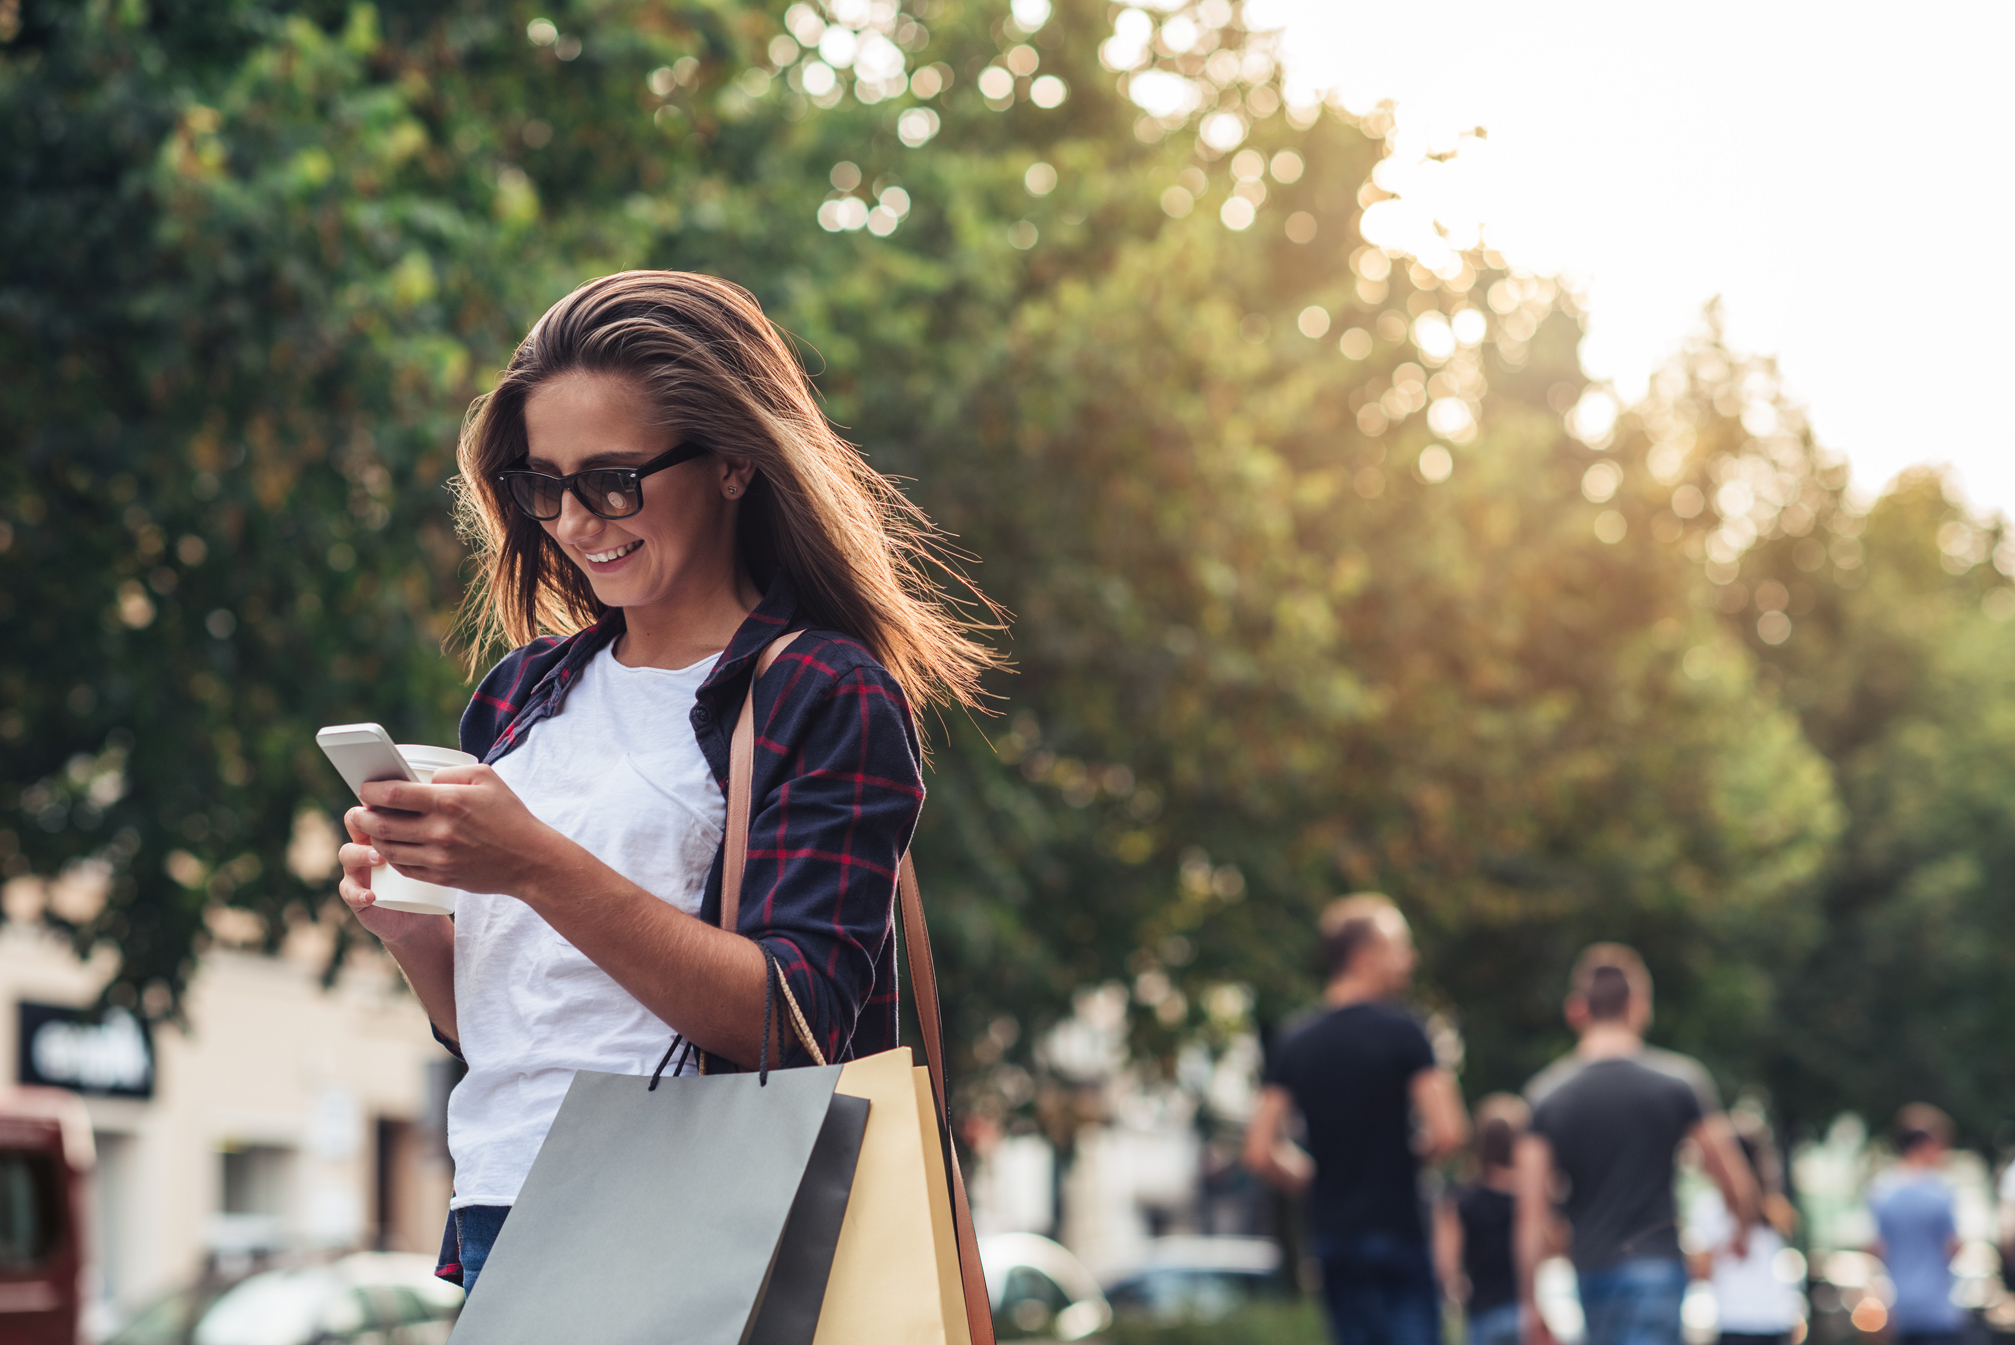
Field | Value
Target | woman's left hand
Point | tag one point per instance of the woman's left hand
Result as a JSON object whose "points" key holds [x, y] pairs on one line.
{"points": [[467, 829]]}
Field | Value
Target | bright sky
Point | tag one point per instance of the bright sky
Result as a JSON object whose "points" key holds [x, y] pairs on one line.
{"points": [[1841, 174]]}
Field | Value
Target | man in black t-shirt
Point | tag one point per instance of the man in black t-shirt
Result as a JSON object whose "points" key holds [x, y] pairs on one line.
{"points": [[1358, 1071], [1607, 1122]]}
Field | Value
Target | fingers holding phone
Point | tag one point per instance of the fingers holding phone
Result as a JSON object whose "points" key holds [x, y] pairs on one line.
{"points": [[358, 858]]}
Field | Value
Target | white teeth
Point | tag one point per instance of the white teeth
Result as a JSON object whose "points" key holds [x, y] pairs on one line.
{"points": [[604, 557]]}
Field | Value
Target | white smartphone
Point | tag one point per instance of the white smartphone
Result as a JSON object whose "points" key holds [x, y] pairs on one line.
{"points": [[362, 753]]}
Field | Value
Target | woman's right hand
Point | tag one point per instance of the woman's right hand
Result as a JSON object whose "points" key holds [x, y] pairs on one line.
{"points": [[358, 859]]}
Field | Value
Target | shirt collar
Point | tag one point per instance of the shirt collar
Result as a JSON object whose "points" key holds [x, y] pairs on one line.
{"points": [[772, 617]]}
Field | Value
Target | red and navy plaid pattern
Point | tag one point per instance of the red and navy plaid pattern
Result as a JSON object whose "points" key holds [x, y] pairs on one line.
{"points": [[837, 787]]}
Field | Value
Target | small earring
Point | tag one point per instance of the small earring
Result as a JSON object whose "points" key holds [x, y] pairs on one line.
{"points": [[733, 491]]}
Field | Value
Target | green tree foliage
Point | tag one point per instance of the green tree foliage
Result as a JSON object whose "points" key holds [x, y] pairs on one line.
{"points": [[1315, 589], [1883, 627]]}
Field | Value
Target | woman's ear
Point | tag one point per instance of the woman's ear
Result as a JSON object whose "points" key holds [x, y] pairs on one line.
{"points": [[734, 476]]}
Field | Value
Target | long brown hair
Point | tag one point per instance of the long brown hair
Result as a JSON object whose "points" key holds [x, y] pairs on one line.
{"points": [[861, 558]]}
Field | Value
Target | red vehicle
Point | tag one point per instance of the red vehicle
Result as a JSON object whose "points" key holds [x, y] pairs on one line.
{"points": [[45, 1163]]}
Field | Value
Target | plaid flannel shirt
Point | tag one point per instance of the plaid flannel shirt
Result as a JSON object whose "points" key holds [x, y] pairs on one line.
{"points": [[837, 787]]}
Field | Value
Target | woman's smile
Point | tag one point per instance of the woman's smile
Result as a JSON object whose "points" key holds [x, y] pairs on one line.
{"points": [[608, 558]]}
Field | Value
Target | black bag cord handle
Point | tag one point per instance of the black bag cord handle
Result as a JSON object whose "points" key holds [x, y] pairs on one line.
{"points": [[773, 980], [773, 975], [677, 1040]]}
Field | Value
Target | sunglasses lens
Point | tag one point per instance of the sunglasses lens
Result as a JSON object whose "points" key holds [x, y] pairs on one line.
{"points": [[612, 494], [537, 495]]}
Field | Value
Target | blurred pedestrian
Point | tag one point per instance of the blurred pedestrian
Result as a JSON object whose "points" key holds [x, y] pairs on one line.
{"points": [[1916, 1229], [1360, 1071], [1755, 1304], [1608, 1120], [1473, 1226]]}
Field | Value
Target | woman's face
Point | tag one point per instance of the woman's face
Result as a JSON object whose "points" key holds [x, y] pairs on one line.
{"points": [[684, 534]]}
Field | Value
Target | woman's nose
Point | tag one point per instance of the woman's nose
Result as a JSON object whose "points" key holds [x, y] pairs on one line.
{"points": [[576, 522]]}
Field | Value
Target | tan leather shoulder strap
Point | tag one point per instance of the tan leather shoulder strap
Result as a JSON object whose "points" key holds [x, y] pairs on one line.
{"points": [[916, 939], [924, 985], [741, 771]]}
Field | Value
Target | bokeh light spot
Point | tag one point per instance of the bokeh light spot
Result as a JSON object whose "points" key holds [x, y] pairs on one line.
{"points": [[1433, 337], [1600, 481], [1222, 131], [916, 126]]}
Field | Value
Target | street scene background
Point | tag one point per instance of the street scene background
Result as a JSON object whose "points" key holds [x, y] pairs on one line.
{"points": [[1331, 569]]}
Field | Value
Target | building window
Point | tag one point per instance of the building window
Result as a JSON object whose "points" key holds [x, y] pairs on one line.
{"points": [[255, 1179]]}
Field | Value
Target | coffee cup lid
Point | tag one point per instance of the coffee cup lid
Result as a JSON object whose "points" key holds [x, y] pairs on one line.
{"points": [[422, 757]]}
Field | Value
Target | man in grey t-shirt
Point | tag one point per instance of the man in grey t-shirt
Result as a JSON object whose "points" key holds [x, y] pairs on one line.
{"points": [[1607, 1121]]}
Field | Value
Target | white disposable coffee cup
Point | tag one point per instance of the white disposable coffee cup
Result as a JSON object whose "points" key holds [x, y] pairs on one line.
{"points": [[392, 889]]}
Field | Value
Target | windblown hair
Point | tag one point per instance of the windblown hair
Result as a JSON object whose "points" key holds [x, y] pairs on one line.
{"points": [[860, 556]]}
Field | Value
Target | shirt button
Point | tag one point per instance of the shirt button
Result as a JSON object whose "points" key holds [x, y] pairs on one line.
{"points": [[702, 715]]}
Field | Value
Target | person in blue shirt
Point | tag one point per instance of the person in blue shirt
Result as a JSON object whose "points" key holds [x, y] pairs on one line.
{"points": [[1916, 1231]]}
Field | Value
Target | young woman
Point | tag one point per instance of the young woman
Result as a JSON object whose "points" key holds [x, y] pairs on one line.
{"points": [[653, 479]]}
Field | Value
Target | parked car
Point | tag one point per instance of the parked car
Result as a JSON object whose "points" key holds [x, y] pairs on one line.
{"points": [[1195, 1278], [45, 1162], [1039, 1290], [366, 1298]]}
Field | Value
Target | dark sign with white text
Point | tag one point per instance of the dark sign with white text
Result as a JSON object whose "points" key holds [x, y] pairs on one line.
{"points": [[103, 1055]]}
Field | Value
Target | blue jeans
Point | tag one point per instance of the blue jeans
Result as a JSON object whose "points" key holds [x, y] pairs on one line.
{"points": [[1634, 1302], [465, 1245], [1495, 1326], [1379, 1288]]}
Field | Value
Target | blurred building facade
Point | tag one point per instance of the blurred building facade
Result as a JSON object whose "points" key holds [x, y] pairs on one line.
{"points": [[1142, 1154], [280, 1117]]}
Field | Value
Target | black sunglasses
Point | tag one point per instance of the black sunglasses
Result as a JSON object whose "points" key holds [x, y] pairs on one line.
{"points": [[607, 492]]}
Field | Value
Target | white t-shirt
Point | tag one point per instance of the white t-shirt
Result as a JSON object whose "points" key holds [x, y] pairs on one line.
{"points": [[1750, 1298], [618, 771]]}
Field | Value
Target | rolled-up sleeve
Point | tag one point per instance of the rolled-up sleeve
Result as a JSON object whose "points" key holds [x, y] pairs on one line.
{"points": [[824, 849]]}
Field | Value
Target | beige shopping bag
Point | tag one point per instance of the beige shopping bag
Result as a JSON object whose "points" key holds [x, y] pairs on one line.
{"points": [[895, 1277]]}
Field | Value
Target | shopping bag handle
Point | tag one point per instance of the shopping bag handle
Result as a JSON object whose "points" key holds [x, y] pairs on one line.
{"points": [[916, 939]]}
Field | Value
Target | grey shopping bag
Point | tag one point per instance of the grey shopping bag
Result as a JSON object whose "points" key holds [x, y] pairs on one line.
{"points": [[657, 1216]]}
